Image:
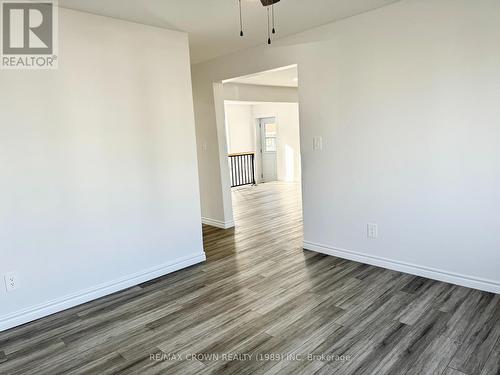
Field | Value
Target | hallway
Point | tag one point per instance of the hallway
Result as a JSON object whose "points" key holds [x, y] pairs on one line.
{"points": [[267, 216]]}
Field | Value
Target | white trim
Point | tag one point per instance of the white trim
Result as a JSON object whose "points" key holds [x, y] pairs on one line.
{"points": [[218, 223], [431, 273], [72, 300]]}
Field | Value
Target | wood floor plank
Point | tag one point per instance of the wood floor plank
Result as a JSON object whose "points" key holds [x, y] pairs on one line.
{"points": [[492, 365], [435, 358], [423, 303], [467, 314], [292, 367], [363, 349], [451, 371], [413, 344], [480, 339], [147, 366], [261, 294], [454, 299]]}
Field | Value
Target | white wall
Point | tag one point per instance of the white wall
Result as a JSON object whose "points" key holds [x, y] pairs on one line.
{"points": [[240, 128], [241, 121], [249, 93], [406, 100], [98, 167]]}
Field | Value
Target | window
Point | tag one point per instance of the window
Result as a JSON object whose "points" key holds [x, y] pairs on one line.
{"points": [[270, 137], [271, 144]]}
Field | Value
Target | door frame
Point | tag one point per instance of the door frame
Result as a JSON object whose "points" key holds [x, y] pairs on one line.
{"points": [[258, 145]]}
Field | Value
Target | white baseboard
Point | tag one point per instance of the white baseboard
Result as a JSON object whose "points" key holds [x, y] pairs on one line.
{"points": [[217, 223], [48, 308], [431, 273]]}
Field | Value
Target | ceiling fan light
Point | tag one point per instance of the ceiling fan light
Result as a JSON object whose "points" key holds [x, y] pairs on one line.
{"points": [[269, 5], [241, 19]]}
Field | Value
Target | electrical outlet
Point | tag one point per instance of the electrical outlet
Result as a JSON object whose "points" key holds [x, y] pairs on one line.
{"points": [[318, 144], [373, 231], [11, 281]]}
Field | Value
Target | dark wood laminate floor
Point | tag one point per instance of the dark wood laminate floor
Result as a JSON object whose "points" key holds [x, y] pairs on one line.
{"points": [[260, 294]]}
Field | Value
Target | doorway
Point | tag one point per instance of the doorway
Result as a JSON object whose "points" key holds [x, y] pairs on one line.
{"points": [[268, 129], [259, 142]]}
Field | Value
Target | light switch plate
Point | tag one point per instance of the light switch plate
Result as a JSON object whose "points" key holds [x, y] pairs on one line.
{"points": [[373, 231], [317, 143]]}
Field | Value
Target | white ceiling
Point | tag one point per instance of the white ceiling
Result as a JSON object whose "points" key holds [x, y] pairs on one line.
{"points": [[285, 77], [213, 25]]}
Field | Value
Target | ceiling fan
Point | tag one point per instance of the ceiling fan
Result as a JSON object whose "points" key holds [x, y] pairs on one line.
{"points": [[269, 4]]}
